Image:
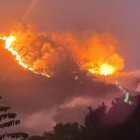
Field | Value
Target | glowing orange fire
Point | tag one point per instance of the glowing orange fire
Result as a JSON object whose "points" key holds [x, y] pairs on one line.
{"points": [[8, 43], [41, 53], [99, 56], [105, 70]]}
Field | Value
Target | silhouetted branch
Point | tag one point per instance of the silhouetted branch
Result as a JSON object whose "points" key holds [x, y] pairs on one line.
{"points": [[4, 109], [8, 116], [10, 123], [14, 135]]}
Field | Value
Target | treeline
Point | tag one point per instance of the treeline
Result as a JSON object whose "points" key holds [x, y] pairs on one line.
{"points": [[120, 122]]}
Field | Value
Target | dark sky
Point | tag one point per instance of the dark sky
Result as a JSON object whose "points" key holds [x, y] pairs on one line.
{"points": [[41, 102]]}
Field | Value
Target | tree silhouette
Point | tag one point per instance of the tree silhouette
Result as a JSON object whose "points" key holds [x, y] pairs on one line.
{"points": [[94, 123], [8, 120], [120, 122], [37, 138], [69, 131]]}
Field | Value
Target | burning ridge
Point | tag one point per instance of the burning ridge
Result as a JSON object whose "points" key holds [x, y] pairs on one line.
{"points": [[41, 53]]}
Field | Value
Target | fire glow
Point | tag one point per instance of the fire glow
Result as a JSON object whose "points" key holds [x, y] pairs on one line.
{"points": [[42, 53], [8, 43], [105, 70]]}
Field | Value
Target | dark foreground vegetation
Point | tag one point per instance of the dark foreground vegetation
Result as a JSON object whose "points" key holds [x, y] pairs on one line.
{"points": [[120, 122], [8, 119]]}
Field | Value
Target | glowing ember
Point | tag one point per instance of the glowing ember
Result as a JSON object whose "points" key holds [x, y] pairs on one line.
{"points": [[8, 43]]}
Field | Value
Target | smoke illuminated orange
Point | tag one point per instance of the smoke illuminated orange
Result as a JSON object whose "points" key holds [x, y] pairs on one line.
{"points": [[99, 56], [43, 53], [8, 43]]}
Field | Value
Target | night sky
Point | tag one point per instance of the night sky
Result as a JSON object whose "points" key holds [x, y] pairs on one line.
{"points": [[41, 102]]}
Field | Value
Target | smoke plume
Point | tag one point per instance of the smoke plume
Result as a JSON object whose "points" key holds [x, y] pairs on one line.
{"points": [[44, 52]]}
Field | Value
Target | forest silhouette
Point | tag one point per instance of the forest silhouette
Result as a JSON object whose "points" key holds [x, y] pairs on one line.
{"points": [[120, 122]]}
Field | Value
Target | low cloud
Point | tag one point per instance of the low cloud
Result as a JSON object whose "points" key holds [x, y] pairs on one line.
{"points": [[39, 122]]}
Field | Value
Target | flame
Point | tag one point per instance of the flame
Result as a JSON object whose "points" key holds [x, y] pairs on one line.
{"points": [[8, 43], [105, 69]]}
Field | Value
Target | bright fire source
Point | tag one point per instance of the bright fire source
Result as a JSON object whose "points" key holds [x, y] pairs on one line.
{"points": [[105, 70], [8, 43]]}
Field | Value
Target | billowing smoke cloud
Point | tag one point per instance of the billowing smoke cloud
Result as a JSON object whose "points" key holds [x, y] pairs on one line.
{"points": [[36, 50], [42, 53], [95, 53]]}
